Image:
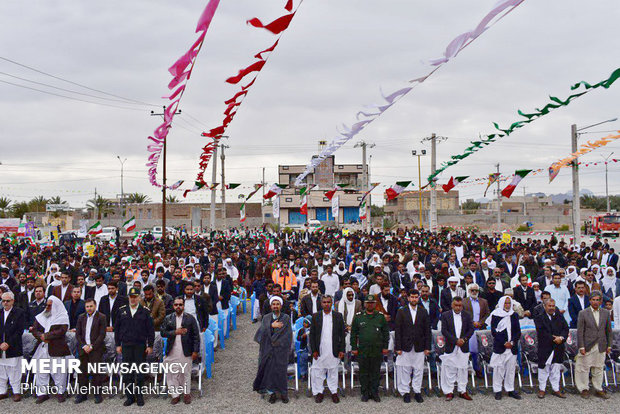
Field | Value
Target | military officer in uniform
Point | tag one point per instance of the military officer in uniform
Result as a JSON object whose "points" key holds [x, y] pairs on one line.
{"points": [[134, 335], [369, 342]]}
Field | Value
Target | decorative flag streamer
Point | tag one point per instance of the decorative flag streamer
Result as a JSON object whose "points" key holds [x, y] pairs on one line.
{"points": [[530, 117], [452, 183], [197, 186], [275, 189], [330, 194], [276, 207], [393, 192], [367, 193], [493, 177], [181, 76], [516, 179], [277, 27], [463, 40], [584, 149], [242, 213], [336, 207], [362, 210], [303, 208], [130, 224], [306, 190], [232, 186], [553, 172], [176, 185]]}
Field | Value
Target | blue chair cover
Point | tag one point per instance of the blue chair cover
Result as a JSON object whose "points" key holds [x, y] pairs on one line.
{"points": [[221, 325], [252, 299], [244, 298], [209, 357]]}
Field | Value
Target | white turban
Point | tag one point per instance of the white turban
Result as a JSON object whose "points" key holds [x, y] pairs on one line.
{"points": [[274, 298]]}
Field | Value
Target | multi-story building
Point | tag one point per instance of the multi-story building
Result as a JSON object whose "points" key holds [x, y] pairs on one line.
{"points": [[406, 207], [325, 177]]}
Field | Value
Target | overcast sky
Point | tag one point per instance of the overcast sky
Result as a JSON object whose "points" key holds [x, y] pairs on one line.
{"points": [[332, 61]]}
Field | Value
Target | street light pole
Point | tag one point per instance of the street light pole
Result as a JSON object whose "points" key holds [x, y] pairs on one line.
{"points": [[576, 191], [415, 154], [120, 204]]}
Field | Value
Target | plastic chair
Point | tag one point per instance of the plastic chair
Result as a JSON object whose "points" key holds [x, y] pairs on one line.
{"points": [[221, 326], [252, 300], [244, 298], [214, 331], [232, 310], [209, 355]]}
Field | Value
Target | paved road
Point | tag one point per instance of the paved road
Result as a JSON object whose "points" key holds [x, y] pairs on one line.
{"points": [[230, 391]]}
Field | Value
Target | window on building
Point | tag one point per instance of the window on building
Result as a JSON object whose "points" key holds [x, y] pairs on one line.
{"points": [[289, 199], [140, 214], [359, 167], [341, 167], [148, 213], [285, 167], [359, 198]]}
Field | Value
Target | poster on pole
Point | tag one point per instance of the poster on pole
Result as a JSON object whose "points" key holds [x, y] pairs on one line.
{"points": [[335, 206], [276, 207]]}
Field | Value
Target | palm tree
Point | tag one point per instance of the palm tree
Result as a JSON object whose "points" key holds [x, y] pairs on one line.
{"points": [[56, 200], [102, 205], [19, 209], [5, 204], [37, 204], [138, 198], [172, 199]]}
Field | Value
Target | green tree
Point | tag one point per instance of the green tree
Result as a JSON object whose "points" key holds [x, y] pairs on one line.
{"points": [[172, 199], [56, 200], [5, 205], [102, 205], [376, 211], [19, 209], [138, 198], [37, 204], [470, 205]]}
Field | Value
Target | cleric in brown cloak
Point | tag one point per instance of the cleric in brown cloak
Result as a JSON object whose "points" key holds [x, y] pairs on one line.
{"points": [[275, 337]]}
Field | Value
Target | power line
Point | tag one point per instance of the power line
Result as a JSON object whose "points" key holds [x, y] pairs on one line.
{"points": [[75, 83], [69, 97]]}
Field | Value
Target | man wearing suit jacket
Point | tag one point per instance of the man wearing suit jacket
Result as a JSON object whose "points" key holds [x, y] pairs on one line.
{"points": [[612, 259], [388, 305], [457, 328], [183, 346], [478, 309], [75, 307], [90, 334], [195, 305], [220, 291], [431, 306], [525, 296], [26, 296], [110, 304], [400, 279], [327, 344], [452, 291], [155, 305], [551, 332], [311, 303], [594, 338], [63, 291], [412, 342], [578, 302], [438, 287], [12, 324]]}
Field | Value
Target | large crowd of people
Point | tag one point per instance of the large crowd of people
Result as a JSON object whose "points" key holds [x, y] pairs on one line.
{"points": [[337, 302]]}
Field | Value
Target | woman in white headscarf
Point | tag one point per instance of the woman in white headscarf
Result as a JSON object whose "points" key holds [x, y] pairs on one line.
{"points": [[359, 275], [348, 306], [610, 285], [49, 329], [506, 333]]}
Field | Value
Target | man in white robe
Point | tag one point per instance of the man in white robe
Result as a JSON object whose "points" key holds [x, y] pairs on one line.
{"points": [[12, 324]]}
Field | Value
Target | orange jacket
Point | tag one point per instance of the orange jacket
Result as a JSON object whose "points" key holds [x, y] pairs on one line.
{"points": [[286, 281]]}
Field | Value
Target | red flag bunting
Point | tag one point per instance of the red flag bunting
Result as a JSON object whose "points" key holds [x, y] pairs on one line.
{"points": [[277, 26], [254, 67]]}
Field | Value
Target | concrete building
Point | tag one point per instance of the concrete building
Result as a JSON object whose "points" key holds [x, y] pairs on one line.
{"points": [[405, 208], [325, 177]]}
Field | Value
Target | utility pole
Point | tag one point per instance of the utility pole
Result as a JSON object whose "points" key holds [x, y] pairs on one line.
{"points": [[415, 154], [223, 183], [120, 204], [524, 205], [434, 139], [365, 181], [262, 202], [499, 202], [95, 204], [607, 182], [576, 193], [163, 186], [213, 178]]}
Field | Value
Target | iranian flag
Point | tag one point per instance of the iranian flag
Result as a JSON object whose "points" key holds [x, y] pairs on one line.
{"points": [[452, 183], [330, 194], [396, 189], [270, 246], [363, 210], [242, 213], [197, 186], [305, 190], [95, 228], [130, 224], [303, 209], [516, 179], [274, 190]]}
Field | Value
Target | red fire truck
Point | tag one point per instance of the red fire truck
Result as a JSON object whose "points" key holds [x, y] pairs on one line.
{"points": [[604, 224]]}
